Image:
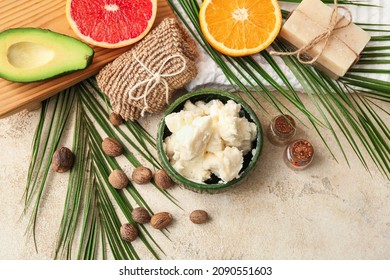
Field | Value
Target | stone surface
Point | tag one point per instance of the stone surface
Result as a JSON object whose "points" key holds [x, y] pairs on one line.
{"points": [[330, 210], [327, 211]]}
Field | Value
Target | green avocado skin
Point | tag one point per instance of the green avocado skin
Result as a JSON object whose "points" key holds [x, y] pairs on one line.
{"points": [[35, 54]]}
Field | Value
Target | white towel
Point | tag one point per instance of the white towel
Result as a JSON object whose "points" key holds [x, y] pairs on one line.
{"points": [[210, 73]]}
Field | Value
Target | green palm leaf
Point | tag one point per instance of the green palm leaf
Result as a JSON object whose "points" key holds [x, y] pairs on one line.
{"points": [[90, 197], [90, 223], [349, 103], [42, 154]]}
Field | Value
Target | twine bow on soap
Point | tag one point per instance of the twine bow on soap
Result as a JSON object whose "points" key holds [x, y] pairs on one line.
{"points": [[334, 20], [154, 80]]}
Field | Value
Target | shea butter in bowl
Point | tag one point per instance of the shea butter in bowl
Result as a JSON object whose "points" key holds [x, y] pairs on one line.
{"points": [[209, 140]]}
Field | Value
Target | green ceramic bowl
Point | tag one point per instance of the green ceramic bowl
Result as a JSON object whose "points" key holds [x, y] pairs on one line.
{"points": [[213, 185]]}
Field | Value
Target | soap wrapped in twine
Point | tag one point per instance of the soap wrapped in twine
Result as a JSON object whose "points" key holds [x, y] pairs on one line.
{"points": [[143, 79], [301, 52]]}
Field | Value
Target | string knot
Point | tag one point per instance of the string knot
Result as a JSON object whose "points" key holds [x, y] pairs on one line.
{"points": [[333, 21], [155, 79]]}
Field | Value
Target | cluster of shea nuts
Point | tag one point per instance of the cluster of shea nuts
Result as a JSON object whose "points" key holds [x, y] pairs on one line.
{"points": [[141, 175], [160, 220], [63, 159], [140, 215]]}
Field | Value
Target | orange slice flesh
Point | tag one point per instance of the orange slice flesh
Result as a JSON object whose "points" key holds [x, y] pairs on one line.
{"points": [[240, 27]]}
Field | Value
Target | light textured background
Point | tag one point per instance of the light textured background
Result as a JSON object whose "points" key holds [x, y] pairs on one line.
{"points": [[328, 211]]}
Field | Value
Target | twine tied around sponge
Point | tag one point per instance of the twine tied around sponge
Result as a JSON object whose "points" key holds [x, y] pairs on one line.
{"points": [[143, 79], [333, 21], [156, 78]]}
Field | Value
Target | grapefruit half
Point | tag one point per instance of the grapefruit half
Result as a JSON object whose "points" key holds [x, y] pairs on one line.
{"points": [[111, 23]]}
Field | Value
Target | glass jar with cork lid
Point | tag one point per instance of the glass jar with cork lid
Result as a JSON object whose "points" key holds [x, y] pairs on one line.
{"points": [[281, 130], [299, 154]]}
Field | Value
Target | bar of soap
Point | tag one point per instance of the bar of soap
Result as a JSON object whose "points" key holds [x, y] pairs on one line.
{"points": [[310, 19]]}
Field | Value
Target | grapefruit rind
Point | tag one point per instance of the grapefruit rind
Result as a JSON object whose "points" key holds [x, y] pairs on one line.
{"points": [[124, 43], [222, 48]]}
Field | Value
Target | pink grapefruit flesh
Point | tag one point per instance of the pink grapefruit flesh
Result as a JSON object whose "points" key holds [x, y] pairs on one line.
{"points": [[111, 23]]}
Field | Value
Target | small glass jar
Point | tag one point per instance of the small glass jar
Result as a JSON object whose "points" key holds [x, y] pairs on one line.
{"points": [[299, 154], [281, 130]]}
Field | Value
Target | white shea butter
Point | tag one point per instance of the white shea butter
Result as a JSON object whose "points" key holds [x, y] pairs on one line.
{"points": [[209, 138], [225, 164], [193, 139]]}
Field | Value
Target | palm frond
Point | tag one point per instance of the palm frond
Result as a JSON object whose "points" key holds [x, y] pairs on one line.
{"points": [[75, 190], [95, 109], [333, 100], [90, 223], [90, 197], [42, 153]]}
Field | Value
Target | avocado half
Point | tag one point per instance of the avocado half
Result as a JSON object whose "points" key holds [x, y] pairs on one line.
{"points": [[34, 54]]}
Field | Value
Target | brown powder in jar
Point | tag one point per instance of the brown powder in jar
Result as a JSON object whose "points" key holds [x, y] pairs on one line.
{"points": [[302, 150], [284, 126]]}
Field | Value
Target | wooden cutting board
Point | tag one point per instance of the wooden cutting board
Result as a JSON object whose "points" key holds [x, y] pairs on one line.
{"points": [[49, 14]]}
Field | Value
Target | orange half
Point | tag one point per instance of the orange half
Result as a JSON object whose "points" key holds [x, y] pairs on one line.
{"points": [[240, 27]]}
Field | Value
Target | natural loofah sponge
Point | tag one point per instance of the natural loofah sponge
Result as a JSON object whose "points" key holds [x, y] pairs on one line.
{"points": [[144, 78]]}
